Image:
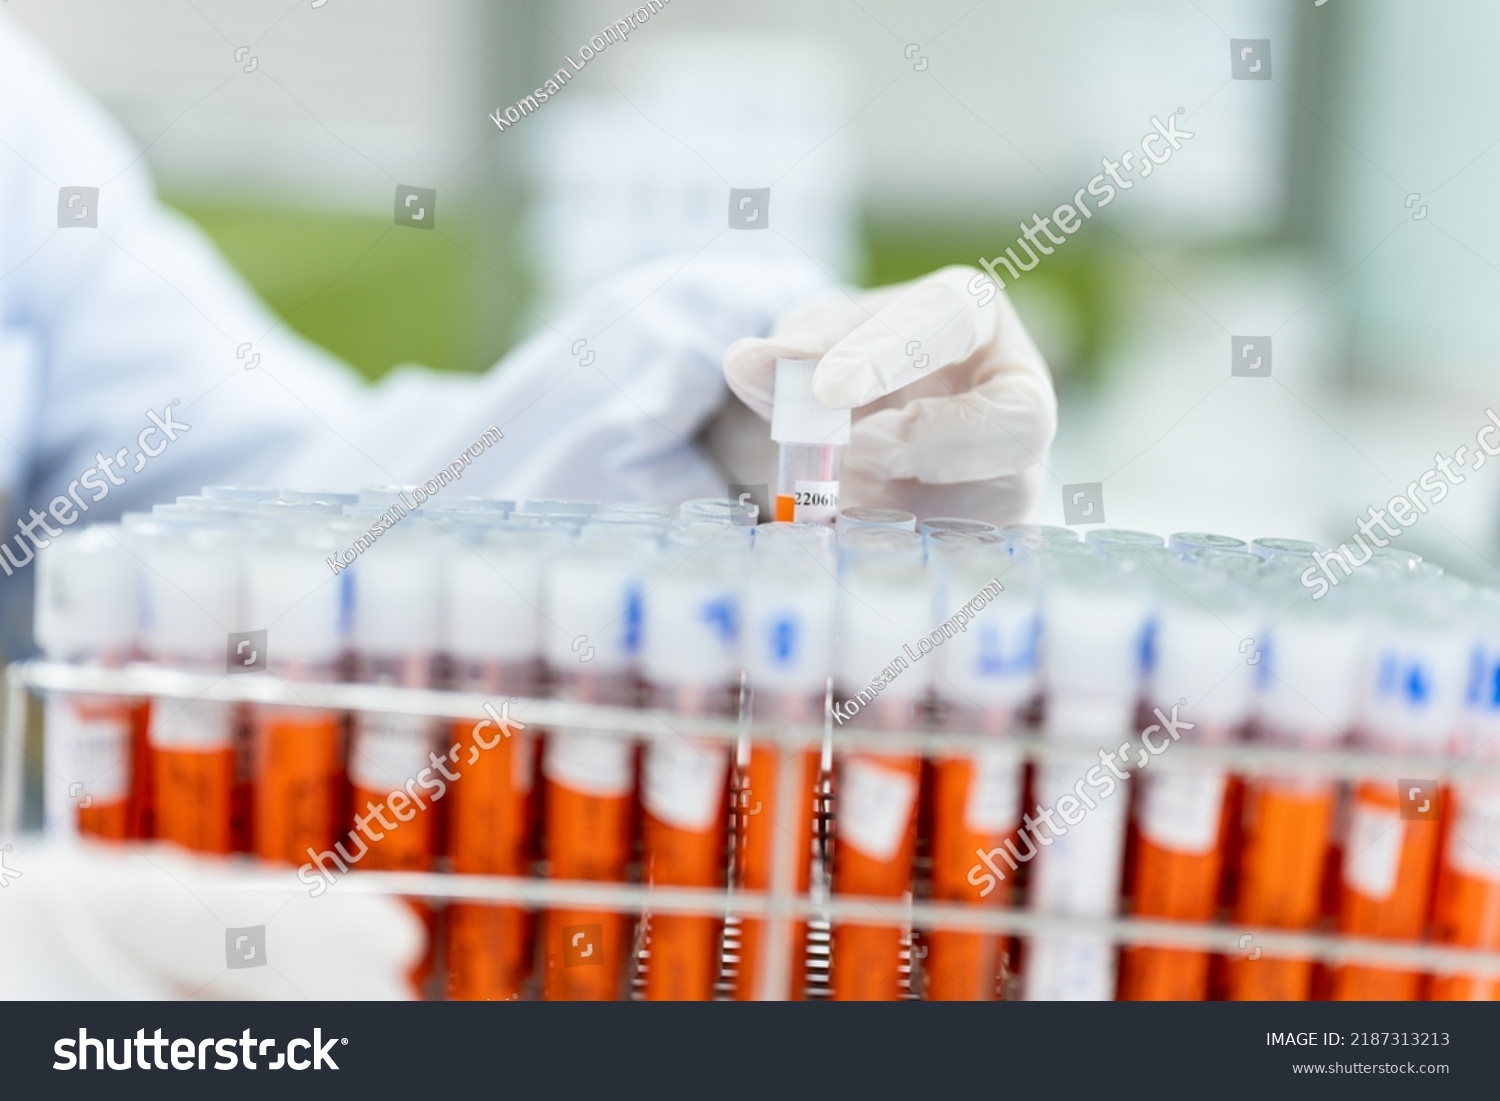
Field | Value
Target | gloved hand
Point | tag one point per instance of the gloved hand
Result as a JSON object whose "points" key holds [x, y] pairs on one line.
{"points": [[953, 404], [149, 921]]}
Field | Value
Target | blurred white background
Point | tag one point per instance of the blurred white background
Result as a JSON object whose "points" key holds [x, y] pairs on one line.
{"points": [[895, 138]]}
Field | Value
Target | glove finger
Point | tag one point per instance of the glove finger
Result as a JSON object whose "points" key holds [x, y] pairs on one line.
{"points": [[750, 367], [927, 325], [1003, 425], [806, 332]]}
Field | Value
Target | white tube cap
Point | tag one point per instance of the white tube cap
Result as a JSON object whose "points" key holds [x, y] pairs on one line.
{"points": [[796, 415], [86, 596]]}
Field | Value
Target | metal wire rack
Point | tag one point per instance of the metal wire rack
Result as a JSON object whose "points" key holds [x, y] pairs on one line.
{"points": [[782, 904]]}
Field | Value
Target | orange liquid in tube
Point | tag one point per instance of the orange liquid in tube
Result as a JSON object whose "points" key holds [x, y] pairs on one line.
{"points": [[787, 645], [592, 598], [987, 672], [1183, 813], [399, 773], [690, 657], [1391, 851], [296, 767], [86, 612], [491, 582], [192, 594], [1466, 909], [875, 794], [1313, 667]]}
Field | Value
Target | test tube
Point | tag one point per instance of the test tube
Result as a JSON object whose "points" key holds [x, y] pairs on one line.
{"points": [[396, 637], [1203, 681], [884, 610], [986, 672], [492, 635], [1188, 542], [86, 613], [787, 646], [959, 524], [242, 493], [1023, 538], [1413, 694], [1095, 618], [557, 506], [1114, 537], [592, 604], [690, 660], [190, 604], [1276, 547], [812, 438], [297, 771], [865, 517], [720, 510], [1310, 673], [1466, 907], [881, 543]]}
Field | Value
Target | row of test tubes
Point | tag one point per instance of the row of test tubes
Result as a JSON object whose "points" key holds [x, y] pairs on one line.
{"points": [[1115, 647]]}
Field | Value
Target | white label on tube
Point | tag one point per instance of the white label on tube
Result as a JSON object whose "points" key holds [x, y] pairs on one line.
{"points": [[874, 807], [191, 724], [1372, 854], [683, 783], [1070, 969], [590, 763], [1474, 845], [994, 802], [1180, 811], [95, 744], [1078, 867], [816, 502], [389, 750]]}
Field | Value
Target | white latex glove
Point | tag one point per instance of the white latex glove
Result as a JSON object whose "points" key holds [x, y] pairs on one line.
{"points": [[91, 921], [960, 434]]}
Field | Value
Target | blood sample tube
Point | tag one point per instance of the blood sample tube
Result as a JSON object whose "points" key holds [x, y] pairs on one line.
{"points": [[1115, 537], [190, 605], [296, 753], [812, 439], [986, 672], [492, 588], [1095, 620], [1189, 542], [690, 660], [86, 613], [866, 517], [592, 604], [1411, 703], [396, 638], [787, 645], [885, 606], [1466, 909], [1203, 674], [1311, 668]]}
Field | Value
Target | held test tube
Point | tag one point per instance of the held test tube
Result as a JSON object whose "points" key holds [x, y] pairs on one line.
{"points": [[86, 612], [492, 590], [296, 753], [190, 604], [689, 659], [591, 598], [787, 645], [986, 673], [884, 608], [1094, 621], [812, 438]]}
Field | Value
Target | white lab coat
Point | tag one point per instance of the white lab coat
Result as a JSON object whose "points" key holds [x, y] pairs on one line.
{"points": [[100, 325]]}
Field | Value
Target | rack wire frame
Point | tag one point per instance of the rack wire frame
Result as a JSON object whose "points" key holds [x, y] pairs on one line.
{"points": [[781, 905]]}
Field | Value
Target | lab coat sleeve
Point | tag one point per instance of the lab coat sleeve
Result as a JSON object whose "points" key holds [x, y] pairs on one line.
{"points": [[139, 321]]}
